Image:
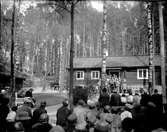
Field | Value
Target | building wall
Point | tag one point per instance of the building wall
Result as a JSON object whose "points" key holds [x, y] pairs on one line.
{"points": [[131, 77], [132, 80], [129, 73], [87, 78]]}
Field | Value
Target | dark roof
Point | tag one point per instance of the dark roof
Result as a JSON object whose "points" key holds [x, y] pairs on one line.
{"points": [[113, 62]]}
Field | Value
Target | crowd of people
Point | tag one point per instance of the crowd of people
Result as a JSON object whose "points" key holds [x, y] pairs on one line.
{"points": [[126, 112], [114, 112]]}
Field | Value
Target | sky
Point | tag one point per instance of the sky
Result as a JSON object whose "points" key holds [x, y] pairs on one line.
{"points": [[97, 5]]}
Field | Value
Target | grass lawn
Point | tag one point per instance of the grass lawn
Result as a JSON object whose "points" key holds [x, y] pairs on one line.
{"points": [[50, 98]]}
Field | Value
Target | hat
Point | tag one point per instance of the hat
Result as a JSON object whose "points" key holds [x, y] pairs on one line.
{"points": [[43, 103], [109, 117], [128, 106], [91, 105], [18, 126], [81, 102], [107, 108], [65, 102], [27, 100], [44, 117], [57, 129]]}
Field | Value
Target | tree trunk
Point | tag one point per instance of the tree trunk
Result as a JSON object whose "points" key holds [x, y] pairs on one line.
{"points": [[12, 101], [71, 55], [0, 25], [163, 80]]}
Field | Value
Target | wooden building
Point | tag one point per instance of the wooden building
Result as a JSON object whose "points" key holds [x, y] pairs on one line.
{"points": [[133, 69], [5, 78]]}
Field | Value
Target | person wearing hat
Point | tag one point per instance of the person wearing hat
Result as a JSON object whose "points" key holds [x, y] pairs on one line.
{"points": [[91, 116], [80, 110], [57, 129], [115, 99], [18, 127], [29, 93], [102, 125], [24, 114], [104, 98], [38, 111], [126, 113], [4, 110], [62, 115], [43, 125]]}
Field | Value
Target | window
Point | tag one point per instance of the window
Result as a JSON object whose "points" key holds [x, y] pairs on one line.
{"points": [[79, 75], [95, 75], [142, 73]]}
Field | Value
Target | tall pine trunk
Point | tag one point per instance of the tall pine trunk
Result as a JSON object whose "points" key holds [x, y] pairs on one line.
{"points": [[71, 55], [163, 57], [12, 101]]}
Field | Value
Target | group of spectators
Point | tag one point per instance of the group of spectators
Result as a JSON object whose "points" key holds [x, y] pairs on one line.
{"points": [[112, 113], [124, 112], [26, 117]]}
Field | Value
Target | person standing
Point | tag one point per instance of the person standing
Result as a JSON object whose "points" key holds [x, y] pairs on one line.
{"points": [[81, 113], [62, 115], [4, 110], [11, 119], [24, 114], [156, 98], [29, 93], [43, 124], [104, 98], [115, 99], [38, 111]]}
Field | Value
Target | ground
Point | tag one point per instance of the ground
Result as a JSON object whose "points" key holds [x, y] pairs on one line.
{"points": [[54, 101]]}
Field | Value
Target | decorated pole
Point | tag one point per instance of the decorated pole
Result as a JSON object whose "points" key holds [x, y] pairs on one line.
{"points": [[150, 43], [104, 46]]}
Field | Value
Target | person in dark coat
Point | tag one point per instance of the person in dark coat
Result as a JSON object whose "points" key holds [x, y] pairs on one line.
{"points": [[43, 124], [127, 125], [24, 114], [104, 98], [115, 99], [145, 98], [4, 110], [62, 115], [38, 111], [29, 93], [139, 115], [156, 98]]}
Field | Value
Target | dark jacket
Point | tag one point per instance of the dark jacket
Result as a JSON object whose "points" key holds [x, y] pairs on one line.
{"points": [[4, 110], [115, 100], [104, 99], [36, 114], [157, 100], [62, 115], [41, 127]]}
